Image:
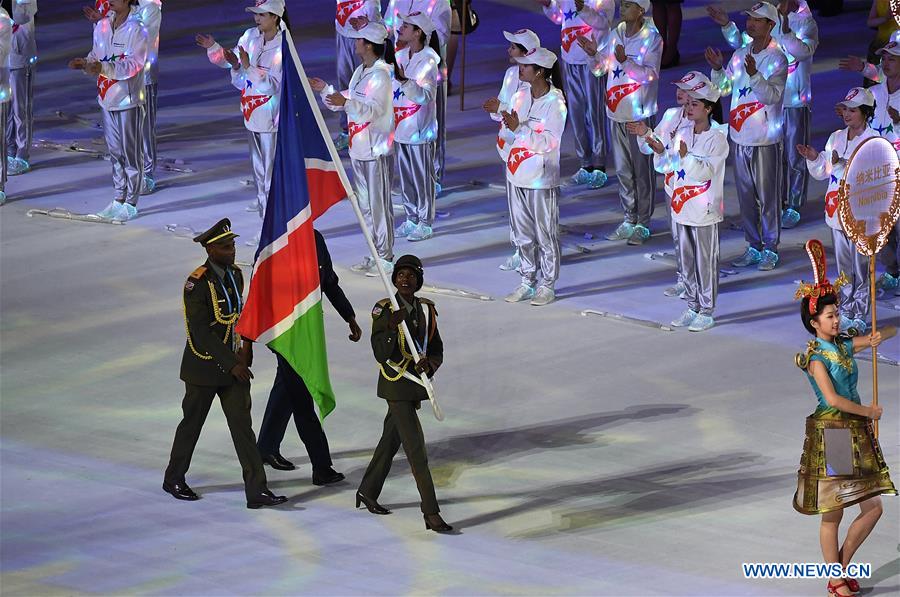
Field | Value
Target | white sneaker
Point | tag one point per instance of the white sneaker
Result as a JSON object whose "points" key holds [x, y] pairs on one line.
{"points": [[363, 266], [512, 263], [522, 293], [422, 232], [686, 319], [405, 229], [110, 210], [673, 291], [385, 264], [701, 323], [543, 296], [127, 212]]}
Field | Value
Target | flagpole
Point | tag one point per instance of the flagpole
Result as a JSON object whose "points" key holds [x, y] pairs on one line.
{"points": [[342, 174]]}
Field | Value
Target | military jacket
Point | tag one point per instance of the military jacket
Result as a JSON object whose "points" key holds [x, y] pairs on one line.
{"points": [[209, 352], [387, 347]]}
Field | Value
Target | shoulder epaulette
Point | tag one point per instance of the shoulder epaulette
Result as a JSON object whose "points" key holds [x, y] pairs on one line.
{"points": [[426, 301], [380, 306], [198, 273]]}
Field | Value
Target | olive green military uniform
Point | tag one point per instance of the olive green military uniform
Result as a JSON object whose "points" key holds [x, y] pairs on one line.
{"points": [[401, 425], [212, 303]]}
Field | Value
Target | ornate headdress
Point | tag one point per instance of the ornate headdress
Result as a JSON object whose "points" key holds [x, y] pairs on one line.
{"points": [[821, 286]]}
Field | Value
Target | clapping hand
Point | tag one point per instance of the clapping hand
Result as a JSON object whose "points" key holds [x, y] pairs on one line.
{"points": [[231, 58], [750, 65], [336, 99], [808, 152], [491, 106], [245, 57], [682, 149], [92, 14], [714, 58], [77, 63], [93, 68], [587, 44], [205, 41], [852, 63], [719, 16], [621, 57], [317, 84], [637, 128], [511, 120]]}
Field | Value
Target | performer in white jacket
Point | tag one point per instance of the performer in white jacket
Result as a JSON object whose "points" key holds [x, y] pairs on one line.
{"points": [[697, 156], [672, 121], [6, 25], [368, 104], [858, 110], [150, 15], [535, 128], [117, 61], [631, 55], [797, 35], [585, 81], [440, 14], [255, 64], [520, 43], [415, 119], [755, 78], [22, 63], [349, 16]]}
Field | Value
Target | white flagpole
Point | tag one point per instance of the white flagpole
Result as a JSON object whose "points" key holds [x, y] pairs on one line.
{"points": [[339, 166]]}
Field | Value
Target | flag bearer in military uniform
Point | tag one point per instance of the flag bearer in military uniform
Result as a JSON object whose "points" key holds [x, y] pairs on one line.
{"points": [[216, 362], [399, 384]]}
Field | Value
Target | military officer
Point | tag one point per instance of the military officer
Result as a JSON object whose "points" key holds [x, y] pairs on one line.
{"points": [[215, 362], [395, 355]]}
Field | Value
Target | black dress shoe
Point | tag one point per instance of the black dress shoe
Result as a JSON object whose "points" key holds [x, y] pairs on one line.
{"points": [[326, 476], [180, 491], [371, 505], [434, 522], [279, 462], [266, 498]]}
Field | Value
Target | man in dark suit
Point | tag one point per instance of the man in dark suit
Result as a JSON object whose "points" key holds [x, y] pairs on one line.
{"points": [[290, 395], [216, 362]]}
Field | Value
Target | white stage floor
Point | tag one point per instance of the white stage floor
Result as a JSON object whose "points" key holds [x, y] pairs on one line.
{"points": [[580, 455]]}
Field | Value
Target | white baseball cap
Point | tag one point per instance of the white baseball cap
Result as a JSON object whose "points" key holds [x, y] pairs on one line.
{"points": [[892, 47], [276, 7], [856, 97], [705, 90], [763, 10], [690, 79], [374, 32], [644, 4], [540, 56], [524, 37], [420, 20]]}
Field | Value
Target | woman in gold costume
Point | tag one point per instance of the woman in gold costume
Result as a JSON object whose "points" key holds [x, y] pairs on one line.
{"points": [[842, 464]]}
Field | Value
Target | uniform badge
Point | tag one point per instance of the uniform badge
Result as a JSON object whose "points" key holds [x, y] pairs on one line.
{"points": [[377, 311], [188, 285]]}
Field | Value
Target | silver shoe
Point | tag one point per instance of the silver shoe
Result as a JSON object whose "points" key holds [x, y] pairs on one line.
{"points": [[522, 293], [544, 296]]}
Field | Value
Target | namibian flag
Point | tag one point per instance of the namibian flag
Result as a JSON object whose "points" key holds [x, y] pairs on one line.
{"points": [[284, 305]]}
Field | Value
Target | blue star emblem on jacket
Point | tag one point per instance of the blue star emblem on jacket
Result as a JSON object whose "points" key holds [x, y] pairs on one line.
{"points": [[884, 129], [834, 179], [744, 91], [397, 93], [681, 174], [571, 14], [618, 72]]}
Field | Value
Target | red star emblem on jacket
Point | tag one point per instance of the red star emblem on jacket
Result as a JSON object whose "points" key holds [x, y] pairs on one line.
{"points": [[354, 128], [616, 94], [831, 203], [345, 9], [103, 85], [684, 194], [516, 157], [570, 34], [405, 112], [500, 142], [739, 115], [249, 103], [668, 178], [102, 6]]}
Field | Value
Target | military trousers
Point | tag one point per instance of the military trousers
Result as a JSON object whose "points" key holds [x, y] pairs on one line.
{"points": [[401, 428], [235, 400]]}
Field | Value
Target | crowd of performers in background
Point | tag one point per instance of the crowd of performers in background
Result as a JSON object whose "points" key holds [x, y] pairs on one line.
{"points": [[391, 88]]}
